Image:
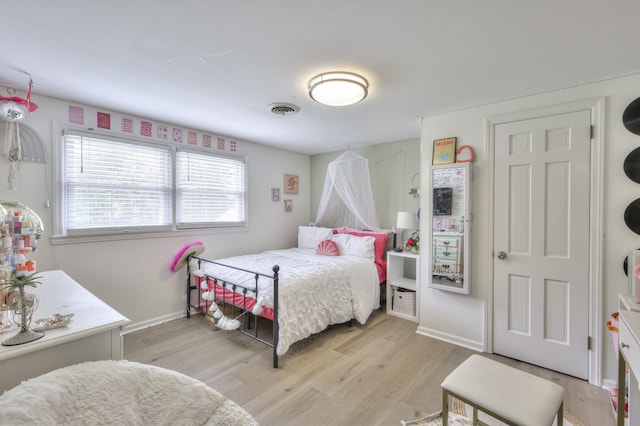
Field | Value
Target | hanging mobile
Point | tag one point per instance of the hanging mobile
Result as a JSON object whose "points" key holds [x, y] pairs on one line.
{"points": [[12, 110]]}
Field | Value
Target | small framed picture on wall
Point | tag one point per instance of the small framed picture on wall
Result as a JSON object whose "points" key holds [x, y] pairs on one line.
{"points": [[444, 151], [275, 194], [291, 184], [288, 205]]}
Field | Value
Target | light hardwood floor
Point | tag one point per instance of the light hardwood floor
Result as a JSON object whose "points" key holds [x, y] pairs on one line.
{"points": [[376, 374]]}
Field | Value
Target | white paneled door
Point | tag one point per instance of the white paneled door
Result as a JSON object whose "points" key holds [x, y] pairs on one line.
{"points": [[541, 241]]}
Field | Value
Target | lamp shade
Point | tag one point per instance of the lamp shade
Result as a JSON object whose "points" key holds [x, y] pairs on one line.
{"points": [[338, 88], [406, 220]]}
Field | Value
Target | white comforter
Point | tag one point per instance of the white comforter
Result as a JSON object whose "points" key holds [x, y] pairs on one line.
{"points": [[314, 291]]}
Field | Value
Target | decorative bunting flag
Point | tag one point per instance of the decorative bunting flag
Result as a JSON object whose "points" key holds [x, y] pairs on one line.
{"points": [[233, 146], [206, 141], [221, 144]]}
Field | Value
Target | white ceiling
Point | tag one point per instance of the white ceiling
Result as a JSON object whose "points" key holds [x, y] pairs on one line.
{"points": [[217, 65]]}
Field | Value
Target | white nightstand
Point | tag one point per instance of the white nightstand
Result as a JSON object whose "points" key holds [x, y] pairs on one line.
{"points": [[403, 272]]}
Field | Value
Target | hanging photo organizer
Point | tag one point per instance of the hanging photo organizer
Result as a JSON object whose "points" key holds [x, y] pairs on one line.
{"points": [[631, 166], [450, 227]]}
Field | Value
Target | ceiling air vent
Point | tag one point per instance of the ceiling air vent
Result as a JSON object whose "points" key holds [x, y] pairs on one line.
{"points": [[284, 109]]}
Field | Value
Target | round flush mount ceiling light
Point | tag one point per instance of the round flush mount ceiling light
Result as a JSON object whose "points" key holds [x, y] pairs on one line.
{"points": [[338, 88]]}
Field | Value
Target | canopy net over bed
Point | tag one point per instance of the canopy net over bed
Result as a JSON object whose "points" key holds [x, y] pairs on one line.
{"points": [[347, 197]]}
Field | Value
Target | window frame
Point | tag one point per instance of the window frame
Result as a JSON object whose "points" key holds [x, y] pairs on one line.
{"points": [[62, 235]]}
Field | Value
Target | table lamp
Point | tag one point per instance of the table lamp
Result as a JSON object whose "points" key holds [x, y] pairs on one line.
{"points": [[405, 220]]}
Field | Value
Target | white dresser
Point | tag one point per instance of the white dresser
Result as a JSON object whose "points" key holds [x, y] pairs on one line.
{"points": [[93, 334], [629, 355]]}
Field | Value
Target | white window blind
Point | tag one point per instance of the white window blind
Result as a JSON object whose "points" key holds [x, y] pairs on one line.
{"points": [[210, 190], [115, 185]]}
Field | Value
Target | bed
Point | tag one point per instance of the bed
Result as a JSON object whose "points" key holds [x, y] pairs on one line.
{"points": [[332, 277]]}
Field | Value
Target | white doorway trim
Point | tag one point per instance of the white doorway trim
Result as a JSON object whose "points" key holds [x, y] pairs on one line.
{"points": [[596, 107]]}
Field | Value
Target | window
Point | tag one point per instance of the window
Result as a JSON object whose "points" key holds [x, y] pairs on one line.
{"points": [[210, 190], [115, 185]]}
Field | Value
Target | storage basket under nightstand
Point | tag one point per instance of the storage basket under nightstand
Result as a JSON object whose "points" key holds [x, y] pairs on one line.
{"points": [[404, 301]]}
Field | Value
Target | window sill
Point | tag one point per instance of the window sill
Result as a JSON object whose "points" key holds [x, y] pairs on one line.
{"points": [[79, 239]]}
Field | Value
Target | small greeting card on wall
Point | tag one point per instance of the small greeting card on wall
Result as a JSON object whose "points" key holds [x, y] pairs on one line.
{"points": [[177, 135], [127, 125], [444, 151], [163, 132], [76, 114], [104, 120], [290, 184], [146, 128], [192, 137]]}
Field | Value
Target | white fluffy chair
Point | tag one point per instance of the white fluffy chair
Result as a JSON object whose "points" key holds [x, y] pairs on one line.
{"points": [[118, 392]]}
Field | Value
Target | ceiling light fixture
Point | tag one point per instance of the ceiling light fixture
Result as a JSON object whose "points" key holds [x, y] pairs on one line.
{"points": [[338, 88]]}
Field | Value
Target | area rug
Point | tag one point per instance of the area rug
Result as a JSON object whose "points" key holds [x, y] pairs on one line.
{"points": [[461, 415], [118, 393]]}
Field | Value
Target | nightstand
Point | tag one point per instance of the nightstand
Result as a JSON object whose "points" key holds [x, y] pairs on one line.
{"points": [[403, 272]]}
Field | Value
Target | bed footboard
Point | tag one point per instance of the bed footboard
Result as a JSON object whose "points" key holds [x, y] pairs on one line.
{"points": [[239, 298]]}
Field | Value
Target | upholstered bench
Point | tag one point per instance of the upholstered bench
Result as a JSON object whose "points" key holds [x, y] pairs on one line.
{"points": [[505, 393]]}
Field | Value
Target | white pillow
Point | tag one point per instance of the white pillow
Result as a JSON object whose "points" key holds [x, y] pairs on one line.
{"points": [[310, 236], [355, 246]]}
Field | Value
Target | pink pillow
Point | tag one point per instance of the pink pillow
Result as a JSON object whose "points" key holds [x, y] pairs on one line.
{"points": [[379, 245], [328, 248]]}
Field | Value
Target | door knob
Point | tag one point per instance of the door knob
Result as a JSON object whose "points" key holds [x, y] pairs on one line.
{"points": [[502, 255]]}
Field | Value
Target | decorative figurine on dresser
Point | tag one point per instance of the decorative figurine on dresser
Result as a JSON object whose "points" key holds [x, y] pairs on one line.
{"points": [[21, 228]]}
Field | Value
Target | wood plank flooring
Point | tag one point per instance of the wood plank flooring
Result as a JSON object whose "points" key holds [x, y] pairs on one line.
{"points": [[376, 374]]}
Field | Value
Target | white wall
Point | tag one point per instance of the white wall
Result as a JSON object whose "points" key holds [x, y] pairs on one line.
{"points": [[392, 166], [133, 275], [461, 318]]}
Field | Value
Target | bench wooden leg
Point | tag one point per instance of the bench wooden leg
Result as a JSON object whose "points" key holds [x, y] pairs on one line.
{"points": [[445, 408], [560, 414]]}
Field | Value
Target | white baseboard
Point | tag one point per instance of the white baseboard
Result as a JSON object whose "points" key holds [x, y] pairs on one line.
{"points": [[153, 321], [450, 338]]}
